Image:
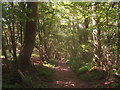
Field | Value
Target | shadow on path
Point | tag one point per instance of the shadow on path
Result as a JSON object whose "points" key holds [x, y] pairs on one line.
{"points": [[65, 78]]}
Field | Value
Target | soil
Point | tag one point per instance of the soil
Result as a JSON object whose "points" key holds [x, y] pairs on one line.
{"points": [[65, 77]]}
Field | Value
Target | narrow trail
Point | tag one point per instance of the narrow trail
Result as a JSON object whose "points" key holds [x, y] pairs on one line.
{"points": [[64, 77]]}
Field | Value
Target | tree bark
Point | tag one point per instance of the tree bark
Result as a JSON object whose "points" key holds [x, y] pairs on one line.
{"points": [[4, 49], [96, 36], [29, 37], [118, 43]]}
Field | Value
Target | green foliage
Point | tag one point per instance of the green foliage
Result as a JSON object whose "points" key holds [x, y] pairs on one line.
{"points": [[12, 86], [44, 72], [79, 63], [27, 81], [11, 78], [52, 62], [83, 69], [116, 83], [75, 64], [61, 29], [34, 55], [41, 86], [92, 75]]}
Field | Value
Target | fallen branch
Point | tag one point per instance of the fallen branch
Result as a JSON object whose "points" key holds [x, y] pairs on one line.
{"points": [[21, 74]]}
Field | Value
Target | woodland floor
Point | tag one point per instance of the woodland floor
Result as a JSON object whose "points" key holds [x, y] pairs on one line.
{"points": [[65, 77]]}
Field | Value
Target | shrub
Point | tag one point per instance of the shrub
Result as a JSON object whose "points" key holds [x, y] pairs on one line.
{"points": [[41, 86], [11, 77], [12, 86], [27, 82], [52, 62], [92, 75], [44, 71], [78, 62], [115, 85], [82, 70]]}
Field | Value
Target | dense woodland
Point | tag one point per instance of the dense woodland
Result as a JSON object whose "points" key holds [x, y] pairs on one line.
{"points": [[37, 35]]}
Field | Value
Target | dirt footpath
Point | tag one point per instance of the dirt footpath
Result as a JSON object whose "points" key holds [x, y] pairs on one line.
{"points": [[64, 77]]}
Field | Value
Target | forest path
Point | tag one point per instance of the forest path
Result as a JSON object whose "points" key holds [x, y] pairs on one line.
{"points": [[64, 77]]}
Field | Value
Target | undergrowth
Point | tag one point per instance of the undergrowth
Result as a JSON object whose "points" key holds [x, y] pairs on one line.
{"points": [[92, 75], [116, 83], [36, 78], [44, 71], [85, 69], [53, 62]]}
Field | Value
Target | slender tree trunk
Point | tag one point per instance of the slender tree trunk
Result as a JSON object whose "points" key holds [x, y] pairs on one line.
{"points": [[21, 34], [118, 43], [12, 33], [41, 46], [96, 36], [14, 42], [29, 37], [4, 49]]}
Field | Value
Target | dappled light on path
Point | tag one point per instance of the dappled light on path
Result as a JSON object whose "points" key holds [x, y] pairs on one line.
{"points": [[65, 84], [64, 77], [61, 68]]}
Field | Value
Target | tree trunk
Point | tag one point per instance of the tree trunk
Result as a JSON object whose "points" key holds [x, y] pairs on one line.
{"points": [[29, 37], [118, 43], [96, 36], [21, 35], [4, 49], [12, 33]]}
